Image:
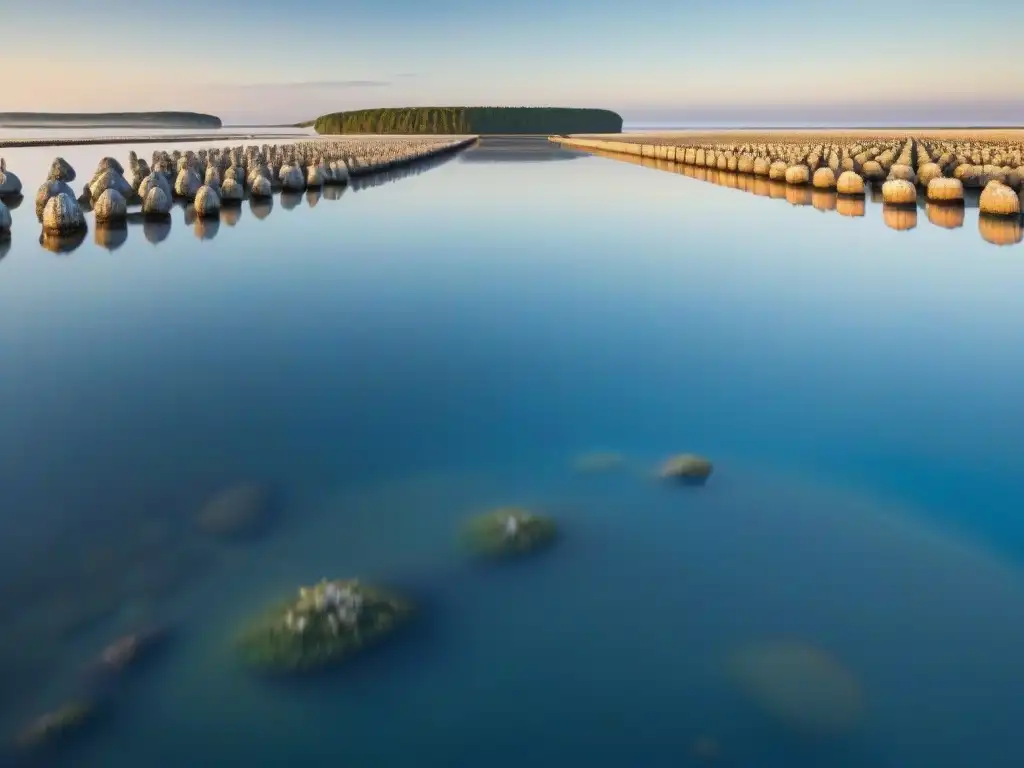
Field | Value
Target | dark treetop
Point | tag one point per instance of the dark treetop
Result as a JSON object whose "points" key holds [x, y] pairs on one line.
{"points": [[471, 120]]}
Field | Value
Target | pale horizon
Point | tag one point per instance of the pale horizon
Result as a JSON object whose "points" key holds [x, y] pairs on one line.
{"points": [[728, 63]]}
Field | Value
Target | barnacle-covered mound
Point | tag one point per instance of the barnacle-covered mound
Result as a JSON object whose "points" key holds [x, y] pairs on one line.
{"points": [[10, 184], [508, 531], [325, 624]]}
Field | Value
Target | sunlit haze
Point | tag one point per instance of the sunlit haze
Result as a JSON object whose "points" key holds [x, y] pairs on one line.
{"points": [[729, 62]]}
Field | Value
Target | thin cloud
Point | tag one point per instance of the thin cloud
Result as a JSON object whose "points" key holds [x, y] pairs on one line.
{"points": [[319, 84]]}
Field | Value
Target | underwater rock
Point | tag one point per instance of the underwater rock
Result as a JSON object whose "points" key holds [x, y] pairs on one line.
{"points": [[598, 461], [508, 531], [9, 183], [239, 512], [56, 726], [125, 652], [61, 170], [63, 215], [688, 468], [801, 686], [705, 749], [324, 625]]}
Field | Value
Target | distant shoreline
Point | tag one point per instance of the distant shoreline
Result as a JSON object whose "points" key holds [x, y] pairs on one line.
{"points": [[159, 119], [177, 138]]}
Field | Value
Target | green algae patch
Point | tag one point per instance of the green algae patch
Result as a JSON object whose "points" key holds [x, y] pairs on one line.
{"points": [[508, 532], [325, 624]]}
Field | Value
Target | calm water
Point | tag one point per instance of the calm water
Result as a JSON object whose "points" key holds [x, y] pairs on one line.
{"points": [[406, 353]]}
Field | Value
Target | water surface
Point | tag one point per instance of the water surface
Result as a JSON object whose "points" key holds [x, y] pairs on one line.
{"points": [[399, 355]]}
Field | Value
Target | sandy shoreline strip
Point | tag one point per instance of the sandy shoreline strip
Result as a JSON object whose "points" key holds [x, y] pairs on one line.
{"points": [[769, 135]]}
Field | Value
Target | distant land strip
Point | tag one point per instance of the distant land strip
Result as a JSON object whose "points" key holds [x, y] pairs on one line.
{"points": [[108, 119], [479, 121], [177, 138]]}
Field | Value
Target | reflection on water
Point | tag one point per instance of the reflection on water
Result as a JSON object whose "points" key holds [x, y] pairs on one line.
{"points": [[230, 214], [899, 217], [945, 216], [798, 195], [206, 228], [58, 243], [824, 199], [850, 206], [156, 230], [995, 230], [261, 207], [291, 200], [1000, 230], [360, 183], [110, 236], [516, 149]]}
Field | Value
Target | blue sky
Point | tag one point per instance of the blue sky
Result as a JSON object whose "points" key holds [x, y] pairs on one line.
{"points": [[725, 62]]}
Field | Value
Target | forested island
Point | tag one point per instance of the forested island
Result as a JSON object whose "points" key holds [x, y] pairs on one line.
{"points": [[470, 120], [108, 119]]}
